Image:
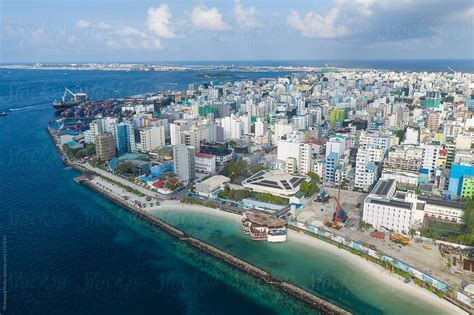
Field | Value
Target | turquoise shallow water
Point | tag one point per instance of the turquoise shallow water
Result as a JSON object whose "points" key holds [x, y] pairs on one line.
{"points": [[328, 276]]}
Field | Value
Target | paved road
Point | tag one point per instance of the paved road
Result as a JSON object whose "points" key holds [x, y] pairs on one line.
{"points": [[123, 181]]}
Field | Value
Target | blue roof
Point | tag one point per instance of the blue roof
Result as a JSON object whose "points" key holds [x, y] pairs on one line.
{"points": [[457, 170], [424, 171], [333, 156], [371, 166]]}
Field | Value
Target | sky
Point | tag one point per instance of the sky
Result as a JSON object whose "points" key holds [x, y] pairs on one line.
{"points": [[203, 30]]}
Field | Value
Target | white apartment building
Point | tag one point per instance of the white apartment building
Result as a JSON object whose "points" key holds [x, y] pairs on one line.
{"points": [[94, 130], [281, 130], [430, 157], [367, 171], [184, 162], [374, 138], [233, 127], [205, 163], [246, 123], [259, 128], [337, 144], [297, 149], [152, 138]]}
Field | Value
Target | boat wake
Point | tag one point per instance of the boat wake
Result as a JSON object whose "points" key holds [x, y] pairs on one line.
{"points": [[28, 108]]}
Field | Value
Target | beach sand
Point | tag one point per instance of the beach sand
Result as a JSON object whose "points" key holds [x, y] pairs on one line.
{"points": [[385, 277]]}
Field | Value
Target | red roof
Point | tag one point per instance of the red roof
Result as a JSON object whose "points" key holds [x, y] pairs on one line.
{"points": [[159, 184], [204, 155], [173, 180]]}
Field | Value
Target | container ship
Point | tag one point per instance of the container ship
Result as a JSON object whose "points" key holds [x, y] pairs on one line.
{"points": [[76, 99]]}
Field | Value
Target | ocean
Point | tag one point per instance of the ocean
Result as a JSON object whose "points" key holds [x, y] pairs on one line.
{"points": [[68, 250]]}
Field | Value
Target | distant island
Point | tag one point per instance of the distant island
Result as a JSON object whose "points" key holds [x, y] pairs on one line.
{"points": [[215, 75]]}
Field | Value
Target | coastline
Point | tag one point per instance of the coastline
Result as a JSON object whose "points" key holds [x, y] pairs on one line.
{"points": [[378, 273], [300, 294], [291, 290], [259, 274]]}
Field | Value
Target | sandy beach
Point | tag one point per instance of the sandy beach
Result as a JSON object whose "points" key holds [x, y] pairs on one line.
{"points": [[384, 277]]}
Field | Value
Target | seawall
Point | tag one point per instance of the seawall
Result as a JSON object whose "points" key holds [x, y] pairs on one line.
{"points": [[298, 293], [292, 290]]}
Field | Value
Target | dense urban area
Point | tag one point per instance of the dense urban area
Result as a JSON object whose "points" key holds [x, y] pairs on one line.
{"points": [[383, 159]]}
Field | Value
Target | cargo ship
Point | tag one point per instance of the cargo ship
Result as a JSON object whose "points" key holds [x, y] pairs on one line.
{"points": [[76, 99]]}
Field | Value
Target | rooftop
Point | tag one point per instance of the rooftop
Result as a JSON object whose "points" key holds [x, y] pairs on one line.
{"points": [[383, 187], [215, 180], [263, 219], [275, 179]]}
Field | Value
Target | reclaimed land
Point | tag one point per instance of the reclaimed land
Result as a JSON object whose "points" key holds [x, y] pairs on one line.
{"points": [[298, 293]]}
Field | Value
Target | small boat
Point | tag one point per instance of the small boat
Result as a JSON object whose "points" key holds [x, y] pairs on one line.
{"points": [[3, 113]]}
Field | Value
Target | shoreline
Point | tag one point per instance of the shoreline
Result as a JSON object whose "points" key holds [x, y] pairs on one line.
{"points": [[292, 290], [378, 273]]}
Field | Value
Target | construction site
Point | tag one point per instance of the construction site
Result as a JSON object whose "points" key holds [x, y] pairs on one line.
{"points": [[340, 212]]}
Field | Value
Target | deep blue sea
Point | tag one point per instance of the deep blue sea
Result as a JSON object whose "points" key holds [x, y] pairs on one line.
{"points": [[67, 250]]}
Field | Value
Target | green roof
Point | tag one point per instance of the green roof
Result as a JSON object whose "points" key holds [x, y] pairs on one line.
{"points": [[299, 194]]}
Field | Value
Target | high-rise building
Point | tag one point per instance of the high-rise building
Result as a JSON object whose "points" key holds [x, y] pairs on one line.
{"points": [[105, 146], [432, 121], [430, 157], [94, 130], [246, 123], [296, 148], [332, 161], [120, 133], [233, 127], [152, 138], [184, 162], [337, 117], [259, 128], [368, 160]]}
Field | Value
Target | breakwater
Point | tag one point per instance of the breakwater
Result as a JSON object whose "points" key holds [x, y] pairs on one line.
{"points": [[292, 290], [298, 293]]}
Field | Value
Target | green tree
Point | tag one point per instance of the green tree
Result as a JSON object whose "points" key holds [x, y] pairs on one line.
{"points": [[468, 217], [127, 168], [400, 134], [313, 176], [309, 188]]}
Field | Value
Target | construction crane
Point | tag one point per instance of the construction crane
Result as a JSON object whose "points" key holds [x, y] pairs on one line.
{"points": [[66, 91], [339, 214]]}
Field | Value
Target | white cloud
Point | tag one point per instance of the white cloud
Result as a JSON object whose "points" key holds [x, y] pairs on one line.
{"points": [[247, 18], [383, 20], [159, 21], [316, 26], [208, 19], [93, 26], [122, 36]]}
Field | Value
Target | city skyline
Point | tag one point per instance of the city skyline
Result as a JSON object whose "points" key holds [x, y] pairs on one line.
{"points": [[235, 30]]}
